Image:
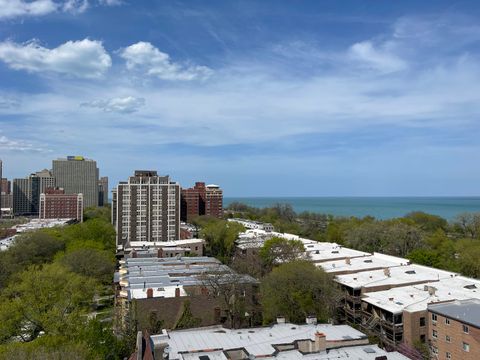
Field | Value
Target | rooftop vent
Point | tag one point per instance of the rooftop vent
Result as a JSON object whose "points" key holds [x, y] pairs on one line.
{"points": [[369, 350], [368, 261], [334, 251], [410, 272], [470, 287]]}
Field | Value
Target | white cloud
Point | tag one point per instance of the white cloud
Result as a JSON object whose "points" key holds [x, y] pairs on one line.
{"points": [[84, 58], [10, 9], [377, 58], [74, 6], [7, 144], [126, 105], [17, 8], [14, 8], [144, 56], [111, 2]]}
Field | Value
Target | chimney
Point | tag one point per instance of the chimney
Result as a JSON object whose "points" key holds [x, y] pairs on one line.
{"points": [[390, 299], [177, 292], [149, 293], [280, 320], [347, 261], [386, 271], [320, 342], [160, 253], [431, 290], [134, 254], [311, 320]]}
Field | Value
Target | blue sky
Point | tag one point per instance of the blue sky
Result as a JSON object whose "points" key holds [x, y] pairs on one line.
{"points": [[265, 98]]}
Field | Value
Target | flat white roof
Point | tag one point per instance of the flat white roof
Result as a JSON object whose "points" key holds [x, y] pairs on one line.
{"points": [[416, 297], [398, 275], [257, 341], [159, 244], [325, 251], [362, 352], [358, 264]]}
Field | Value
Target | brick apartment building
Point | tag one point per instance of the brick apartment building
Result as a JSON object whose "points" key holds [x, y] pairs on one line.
{"points": [[201, 200], [55, 204], [454, 330]]}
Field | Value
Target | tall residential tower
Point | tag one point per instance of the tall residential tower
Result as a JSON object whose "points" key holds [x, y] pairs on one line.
{"points": [[146, 208]]}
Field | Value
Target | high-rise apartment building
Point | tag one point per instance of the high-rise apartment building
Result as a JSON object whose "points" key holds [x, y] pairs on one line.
{"points": [[103, 191], [26, 192], [55, 204], [213, 201], [77, 175], [202, 200], [5, 186], [146, 208]]}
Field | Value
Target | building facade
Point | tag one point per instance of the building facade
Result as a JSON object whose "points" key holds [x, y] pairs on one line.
{"points": [[77, 175], [201, 200], [26, 192], [146, 208], [103, 191], [454, 330], [55, 204]]}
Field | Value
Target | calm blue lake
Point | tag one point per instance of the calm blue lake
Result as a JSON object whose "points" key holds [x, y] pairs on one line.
{"points": [[379, 207]]}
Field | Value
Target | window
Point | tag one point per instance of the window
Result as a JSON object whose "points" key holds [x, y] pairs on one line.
{"points": [[434, 318], [434, 334], [422, 338], [466, 347], [447, 338], [465, 329], [447, 321], [448, 355], [422, 321], [434, 349]]}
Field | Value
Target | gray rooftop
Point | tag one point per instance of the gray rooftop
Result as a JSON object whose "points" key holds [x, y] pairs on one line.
{"points": [[466, 311]]}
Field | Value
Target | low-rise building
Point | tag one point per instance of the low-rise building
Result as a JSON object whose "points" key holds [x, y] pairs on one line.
{"points": [[355, 285], [168, 288], [280, 341], [454, 330], [162, 249], [253, 225], [55, 204]]}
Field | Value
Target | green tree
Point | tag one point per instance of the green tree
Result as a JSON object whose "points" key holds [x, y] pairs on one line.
{"points": [[427, 222], [295, 290], [48, 299], [220, 236], [280, 250], [29, 249], [97, 264]]}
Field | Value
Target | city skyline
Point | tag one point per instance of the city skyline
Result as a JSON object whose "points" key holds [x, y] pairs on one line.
{"points": [[263, 98]]}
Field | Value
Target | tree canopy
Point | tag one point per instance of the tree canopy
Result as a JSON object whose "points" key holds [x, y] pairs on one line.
{"points": [[296, 290]]}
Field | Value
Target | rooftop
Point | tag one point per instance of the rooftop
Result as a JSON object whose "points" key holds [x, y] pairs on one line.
{"points": [[394, 276], [418, 297], [365, 263], [256, 341], [325, 251], [164, 275], [466, 311]]}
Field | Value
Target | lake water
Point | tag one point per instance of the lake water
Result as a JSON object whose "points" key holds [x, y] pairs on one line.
{"points": [[379, 207]]}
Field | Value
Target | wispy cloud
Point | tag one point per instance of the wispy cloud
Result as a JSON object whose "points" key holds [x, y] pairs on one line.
{"points": [[145, 57], [7, 144], [84, 58], [125, 105], [379, 59], [10, 9]]}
